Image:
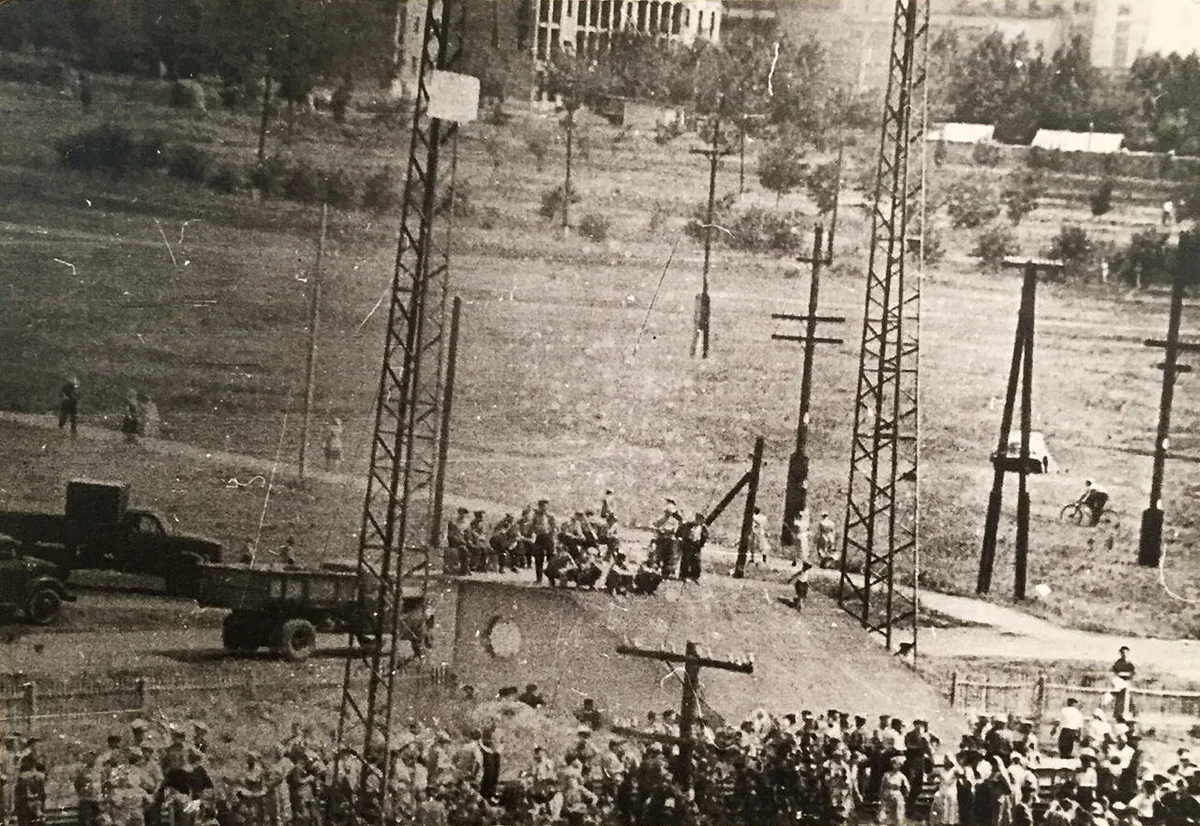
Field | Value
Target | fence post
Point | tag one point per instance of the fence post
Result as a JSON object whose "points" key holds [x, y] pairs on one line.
{"points": [[1039, 697], [139, 691], [953, 687], [987, 688], [30, 691]]}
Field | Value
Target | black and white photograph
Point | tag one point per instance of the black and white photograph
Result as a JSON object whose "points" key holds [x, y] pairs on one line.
{"points": [[599, 412]]}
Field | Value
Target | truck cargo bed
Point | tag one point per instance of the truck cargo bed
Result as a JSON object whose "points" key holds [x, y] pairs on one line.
{"points": [[269, 588]]}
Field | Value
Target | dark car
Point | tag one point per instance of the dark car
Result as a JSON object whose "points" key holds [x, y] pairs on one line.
{"points": [[31, 588], [1039, 454]]}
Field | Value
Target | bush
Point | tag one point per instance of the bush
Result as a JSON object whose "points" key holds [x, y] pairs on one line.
{"points": [[763, 230], [228, 178], [594, 227], [994, 244], [537, 141], [384, 190], [188, 162], [1021, 193], [1073, 247], [822, 183], [935, 248], [985, 153], [306, 183], [722, 209], [111, 148], [972, 203], [1051, 159], [552, 201], [1101, 200], [272, 176], [341, 189], [1149, 257], [463, 202], [189, 94]]}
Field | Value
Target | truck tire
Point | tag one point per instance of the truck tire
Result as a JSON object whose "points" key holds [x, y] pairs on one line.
{"points": [[44, 606], [297, 640], [238, 633]]}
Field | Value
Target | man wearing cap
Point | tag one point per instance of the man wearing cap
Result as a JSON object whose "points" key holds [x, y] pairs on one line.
{"points": [[30, 792], [1069, 727], [174, 756], [608, 506], [87, 786], [475, 537], [544, 530], [9, 764], [139, 729], [826, 530]]}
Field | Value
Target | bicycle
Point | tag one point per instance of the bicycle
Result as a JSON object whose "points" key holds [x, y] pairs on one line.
{"points": [[1077, 514]]}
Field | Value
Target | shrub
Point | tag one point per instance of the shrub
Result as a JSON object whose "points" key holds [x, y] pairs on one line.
{"points": [[1051, 159], [994, 244], [1187, 200], [985, 153], [188, 162], [463, 202], [781, 168], [383, 190], [972, 203], [272, 176], [594, 227], [537, 141], [306, 182], [722, 208], [1101, 199], [935, 248], [822, 184], [111, 148], [552, 201], [1073, 247], [1021, 193], [341, 189], [228, 178], [189, 94], [1148, 257], [763, 230], [340, 102]]}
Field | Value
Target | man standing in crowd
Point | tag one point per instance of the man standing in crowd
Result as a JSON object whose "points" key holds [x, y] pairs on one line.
{"points": [[1070, 726], [664, 538], [826, 535], [543, 537], [68, 405], [692, 536], [456, 542], [1123, 672]]}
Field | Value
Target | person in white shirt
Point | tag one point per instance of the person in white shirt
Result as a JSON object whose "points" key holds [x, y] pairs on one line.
{"points": [[1098, 728], [1069, 726]]}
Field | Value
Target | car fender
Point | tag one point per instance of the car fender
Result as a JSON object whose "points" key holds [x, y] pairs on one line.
{"points": [[52, 583]]}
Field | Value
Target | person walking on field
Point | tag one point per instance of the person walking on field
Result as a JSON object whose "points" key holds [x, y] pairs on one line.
{"points": [[333, 444], [68, 405], [759, 544]]}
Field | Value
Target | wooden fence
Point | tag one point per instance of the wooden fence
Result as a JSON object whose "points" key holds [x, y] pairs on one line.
{"points": [[1041, 699], [26, 702]]}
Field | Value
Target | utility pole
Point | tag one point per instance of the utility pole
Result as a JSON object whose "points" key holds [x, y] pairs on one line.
{"points": [[703, 303], [314, 315], [796, 498], [1020, 373], [1187, 269], [570, 127], [692, 660], [749, 481], [439, 488], [266, 107]]}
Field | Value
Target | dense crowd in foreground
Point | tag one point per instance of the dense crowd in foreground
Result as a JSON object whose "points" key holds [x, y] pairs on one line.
{"points": [[822, 769]]}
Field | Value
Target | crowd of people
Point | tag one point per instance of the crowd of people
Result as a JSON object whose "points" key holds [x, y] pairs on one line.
{"points": [[770, 769], [583, 550]]}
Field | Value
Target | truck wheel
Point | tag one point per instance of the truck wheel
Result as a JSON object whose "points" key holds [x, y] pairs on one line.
{"points": [[44, 606], [297, 639], [237, 634]]}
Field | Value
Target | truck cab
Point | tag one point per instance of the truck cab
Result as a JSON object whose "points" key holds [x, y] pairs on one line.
{"points": [[31, 588]]}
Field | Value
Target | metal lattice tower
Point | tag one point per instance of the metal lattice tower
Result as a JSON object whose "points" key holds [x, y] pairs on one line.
{"points": [[881, 532], [395, 551]]}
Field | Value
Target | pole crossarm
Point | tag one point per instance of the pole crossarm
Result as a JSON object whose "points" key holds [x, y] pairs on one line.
{"points": [[813, 339], [743, 666], [1180, 346], [831, 319]]}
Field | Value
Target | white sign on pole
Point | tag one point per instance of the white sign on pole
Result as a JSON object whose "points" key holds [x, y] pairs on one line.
{"points": [[453, 97]]}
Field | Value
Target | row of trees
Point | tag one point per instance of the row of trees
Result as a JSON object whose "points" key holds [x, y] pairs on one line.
{"points": [[1010, 83]]}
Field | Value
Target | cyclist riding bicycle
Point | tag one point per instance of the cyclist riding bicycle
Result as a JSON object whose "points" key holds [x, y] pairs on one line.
{"points": [[1094, 498]]}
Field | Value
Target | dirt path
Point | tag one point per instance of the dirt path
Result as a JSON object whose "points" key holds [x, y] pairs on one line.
{"points": [[996, 630]]}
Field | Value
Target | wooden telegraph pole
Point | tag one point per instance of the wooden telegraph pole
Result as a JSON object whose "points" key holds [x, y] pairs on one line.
{"points": [[1020, 375], [749, 481], [693, 661], [1187, 270], [796, 499], [314, 315], [703, 302]]}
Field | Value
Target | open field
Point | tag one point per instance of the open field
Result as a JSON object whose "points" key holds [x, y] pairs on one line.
{"points": [[553, 399]]}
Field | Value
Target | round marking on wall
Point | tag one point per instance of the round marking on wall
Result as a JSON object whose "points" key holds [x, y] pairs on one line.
{"points": [[503, 638]]}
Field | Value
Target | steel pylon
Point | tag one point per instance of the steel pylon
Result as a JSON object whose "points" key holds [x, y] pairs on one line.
{"points": [[398, 530], [880, 539]]}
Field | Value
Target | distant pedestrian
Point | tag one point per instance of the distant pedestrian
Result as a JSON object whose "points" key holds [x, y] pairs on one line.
{"points": [[1168, 213], [759, 544], [692, 536], [131, 420], [826, 539], [68, 405], [800, 532], [333, 444], [800, 581], [85, 92], [149, 420]]}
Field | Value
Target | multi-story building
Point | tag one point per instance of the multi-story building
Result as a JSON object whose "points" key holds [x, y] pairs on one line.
{"points": [[587, 26], [1121, 30]]}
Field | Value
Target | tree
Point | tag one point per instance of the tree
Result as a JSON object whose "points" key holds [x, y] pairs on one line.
{"points": [[781, 167], [1022, 190], [575, 80], [823, 186]]}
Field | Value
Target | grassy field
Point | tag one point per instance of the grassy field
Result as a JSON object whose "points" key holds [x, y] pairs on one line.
{"points": [[567, 384]]}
